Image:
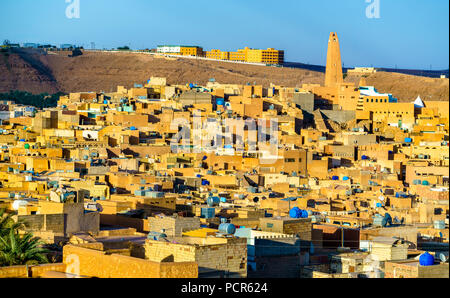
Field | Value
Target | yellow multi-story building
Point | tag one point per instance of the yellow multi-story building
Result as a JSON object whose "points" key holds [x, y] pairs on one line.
{"points": [[269, 56], [218, 55], [181, 50]]}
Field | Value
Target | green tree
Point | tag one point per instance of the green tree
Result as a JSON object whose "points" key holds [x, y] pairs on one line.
{"points": [[7, 223], [16, 249]]}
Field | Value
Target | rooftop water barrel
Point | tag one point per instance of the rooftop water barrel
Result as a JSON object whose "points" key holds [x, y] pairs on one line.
{"points": [[220, 101], [199, 176], [213, 201], [346, 178], [139, 193], [208, 212], [154, 194], [378, 205], [251, 189], [205, 182], [156, 236], [439, 224], [223, 200], [335, 178], [364, 157], [408, 140], [425, 182], [426, 259], [26, 146], [295, 212], [386, 220], [19, 203], [227, 228], [304, 214]]}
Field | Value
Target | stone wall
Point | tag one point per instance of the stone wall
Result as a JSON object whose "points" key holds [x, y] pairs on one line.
{"points": [[174, 227], [98, 264], [44, 222], [406, 270], [230, 257], [141, 225], [14, 272], [34, 271]]}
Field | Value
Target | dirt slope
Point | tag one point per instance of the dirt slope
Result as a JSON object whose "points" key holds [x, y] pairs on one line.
{"points": [[96, 71]]}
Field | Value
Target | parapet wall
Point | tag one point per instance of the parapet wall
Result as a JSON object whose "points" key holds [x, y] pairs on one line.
{"points": [[88, 262]]}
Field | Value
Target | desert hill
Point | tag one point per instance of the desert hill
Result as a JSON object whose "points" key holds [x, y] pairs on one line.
{"points": [[37, 72]]}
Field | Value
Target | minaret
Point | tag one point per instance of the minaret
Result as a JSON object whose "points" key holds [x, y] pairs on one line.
{"points": [[362, 82], [333, 74]]}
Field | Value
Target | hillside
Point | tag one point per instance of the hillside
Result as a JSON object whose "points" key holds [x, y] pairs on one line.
{"points": [[96, 71]]}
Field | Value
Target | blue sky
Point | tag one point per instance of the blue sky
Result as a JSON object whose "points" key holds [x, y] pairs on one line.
{"points": [[408, 34]]}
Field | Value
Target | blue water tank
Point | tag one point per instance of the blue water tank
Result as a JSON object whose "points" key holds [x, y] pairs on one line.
{"points": [[208, 212], [220, 101], [426, 260], [227, 228], [364, 157], [252, 189], [386, 220], [425, 182], [205, 157], [335, 178], [378, 205], [298, 213], [191, 85], [205, 182], [213, 201], [199, 176], [223, 200], [304, 214], [295, 212], [408, 140], [346, 178], [133, 128]]}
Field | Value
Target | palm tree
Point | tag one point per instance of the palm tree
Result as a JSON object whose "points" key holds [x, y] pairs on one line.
{"points": [[7, 223], [16, 249]]}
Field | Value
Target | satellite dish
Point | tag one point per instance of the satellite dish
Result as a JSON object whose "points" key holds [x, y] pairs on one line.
{"points": [[443, 257]]}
